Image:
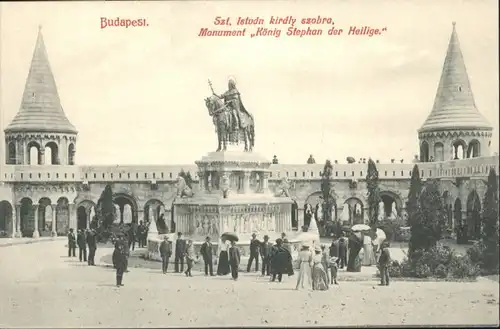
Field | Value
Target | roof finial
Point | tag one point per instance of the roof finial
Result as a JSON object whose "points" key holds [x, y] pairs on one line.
{"points": [[39, 27], [453, 23]]}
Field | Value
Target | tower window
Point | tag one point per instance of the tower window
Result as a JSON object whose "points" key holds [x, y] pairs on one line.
{"points": [[459, 88]]}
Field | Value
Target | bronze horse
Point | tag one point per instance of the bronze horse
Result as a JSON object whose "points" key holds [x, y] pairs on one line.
{"points": [[223, 123]]}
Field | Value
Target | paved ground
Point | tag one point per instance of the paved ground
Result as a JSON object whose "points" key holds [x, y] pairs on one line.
{"points": [[41, 287]]}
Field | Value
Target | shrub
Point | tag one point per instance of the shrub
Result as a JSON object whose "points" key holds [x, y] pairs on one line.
{"points": [[441, 271], [422, 271], [395, 269], [462, 267], [475, 253]]}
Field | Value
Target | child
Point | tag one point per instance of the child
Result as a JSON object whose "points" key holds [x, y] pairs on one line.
{"points": [[334, 265]]}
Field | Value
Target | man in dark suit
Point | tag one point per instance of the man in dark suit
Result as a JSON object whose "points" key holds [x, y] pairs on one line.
{"points": [[342, 250], [119, 259], [234, 260], [82, 245], [141, 232], [180, 250], [254, 253], [384, 262], [71, 243], [92, 244], [206, 251], [265, 253], [165, 253]]}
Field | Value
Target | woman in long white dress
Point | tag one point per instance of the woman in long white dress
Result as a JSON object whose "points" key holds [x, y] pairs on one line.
{"points": [[368, 254], [319, 273], [305, 261]]}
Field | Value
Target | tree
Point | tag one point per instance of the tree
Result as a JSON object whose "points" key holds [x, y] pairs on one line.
{"points": [[373, 192], [412, 205], [106, 207], [327, 191], [489, 232], [429, 221]]}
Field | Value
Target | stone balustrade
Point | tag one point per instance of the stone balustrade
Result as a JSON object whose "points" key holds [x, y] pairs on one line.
{"points": [[474, 167]]}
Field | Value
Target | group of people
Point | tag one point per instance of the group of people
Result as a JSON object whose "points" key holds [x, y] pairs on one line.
{"points": [[82, 240]]}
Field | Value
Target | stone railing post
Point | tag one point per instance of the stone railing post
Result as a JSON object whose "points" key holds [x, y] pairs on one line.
{"points": [[54, 223], [19, 234]]}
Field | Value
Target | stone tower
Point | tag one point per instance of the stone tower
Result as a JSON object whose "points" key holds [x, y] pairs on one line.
{"points": [[40, 125], [454, 129]]}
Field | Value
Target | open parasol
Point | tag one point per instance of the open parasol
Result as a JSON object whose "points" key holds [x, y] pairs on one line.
{"points": [[231, 236], [360, 227]]}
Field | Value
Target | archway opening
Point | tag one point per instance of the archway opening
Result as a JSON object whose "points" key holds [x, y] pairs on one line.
{"points": [[89, 209], [44, 217], [71, 154], [62, 216], [5, 218], [53, 156], [474, 149], [458, 147], [27, 225], [438, 151], [352, 212], [154, 214], [474, 215], [11, 153], [81, 215], [34, 153], [424, 152], [126, 209]]}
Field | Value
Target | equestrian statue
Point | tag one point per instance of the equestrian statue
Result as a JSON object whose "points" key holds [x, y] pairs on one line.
{"points": [[233, 123]]}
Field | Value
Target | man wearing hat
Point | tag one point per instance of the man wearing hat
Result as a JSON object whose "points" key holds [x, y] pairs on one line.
{"points": [[265, 253], [254, 253], [384, 262], [165, 253], [180, 250]]}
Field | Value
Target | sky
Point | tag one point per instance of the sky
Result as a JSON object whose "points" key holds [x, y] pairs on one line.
{"points": [[136, 95]]}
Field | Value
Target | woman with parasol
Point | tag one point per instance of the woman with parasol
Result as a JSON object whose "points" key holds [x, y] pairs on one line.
{"points": [[355, 245], [281, 261], [223, 262]]}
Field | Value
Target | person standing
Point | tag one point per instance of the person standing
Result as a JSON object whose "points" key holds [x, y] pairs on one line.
{"points": [[71, 243], [319, 273], [131, 237], [281, 261], [82, 245], [384, 262], [286, 243], [141, 230], [190, 255], [265, 252], [325, 260], [223, 261], [305, 261], [342, 250], [180, 251], [234, 260], [119, 260], [165, 253], [206, 251], [126, 251], [254, 253], [92, 244]]}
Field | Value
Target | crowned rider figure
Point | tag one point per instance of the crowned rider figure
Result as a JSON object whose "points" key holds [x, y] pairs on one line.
{"points": [[232, 99]]}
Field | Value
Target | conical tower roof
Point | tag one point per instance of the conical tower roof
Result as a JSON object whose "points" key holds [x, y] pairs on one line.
{"points": [[41, 109], [454, 106]]}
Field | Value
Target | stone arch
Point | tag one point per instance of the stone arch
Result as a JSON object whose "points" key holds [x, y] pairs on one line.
{"points": [[392, 205], [84, 211], [424, 152], [153, 211], [353, 211], [44, 216], [474, 215], [438, 151], [34, 153], [459, 148], [62, 216], [474, 149], [6, 217], [11, 153], [121, 199], [53, 157], [315, 199], [27, 215], [71, 154]]}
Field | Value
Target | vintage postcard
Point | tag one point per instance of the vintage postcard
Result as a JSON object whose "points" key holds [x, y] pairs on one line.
{"points": [[249, 163]]}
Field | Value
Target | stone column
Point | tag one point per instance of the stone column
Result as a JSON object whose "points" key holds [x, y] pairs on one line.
{"points": [[54, 231], [72, 216], [246, 182], [300, 218], [264, 185], [13, 222], [19, 234], [36, 233], [201, 178], [41, 159]]}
